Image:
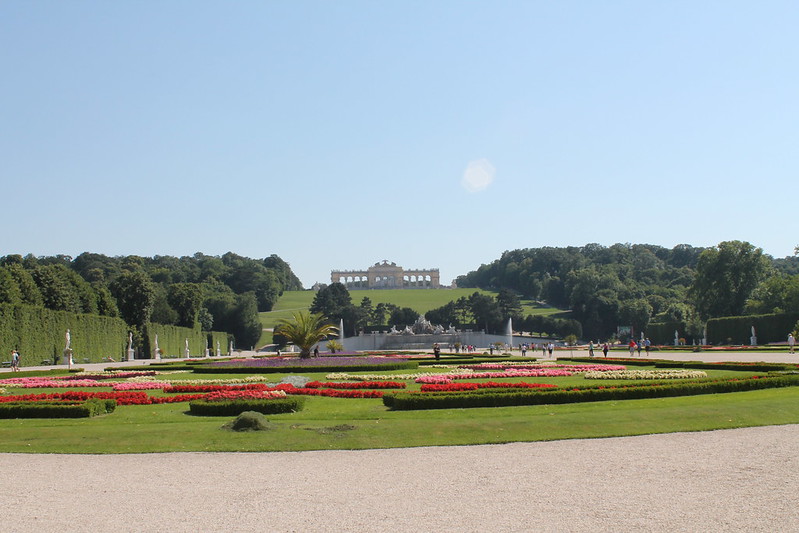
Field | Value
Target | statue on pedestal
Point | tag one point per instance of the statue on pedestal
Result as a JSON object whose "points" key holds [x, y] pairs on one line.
{"points": [[68, 349]]}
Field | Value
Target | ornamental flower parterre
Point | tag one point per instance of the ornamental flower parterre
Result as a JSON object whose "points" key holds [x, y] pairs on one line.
{"points": [[357, 385], [215, 388], [648, 374], [457, 387]]}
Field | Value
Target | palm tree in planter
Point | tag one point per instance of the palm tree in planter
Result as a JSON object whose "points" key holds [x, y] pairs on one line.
{"points": [[305, 329]]}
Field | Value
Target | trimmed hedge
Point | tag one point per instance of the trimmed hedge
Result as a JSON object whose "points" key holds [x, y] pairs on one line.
{"points": [[663, 332], [38, 334], [89, 408], [768, 328], [236, 407], [208, 369], [172, 340], [511, 397]]}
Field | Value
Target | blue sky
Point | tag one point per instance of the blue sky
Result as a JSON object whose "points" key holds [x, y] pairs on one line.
{"points": [[338, 134]]}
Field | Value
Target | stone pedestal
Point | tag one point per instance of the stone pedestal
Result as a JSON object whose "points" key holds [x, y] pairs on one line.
{"points": [[752, 341], [131, 355]]}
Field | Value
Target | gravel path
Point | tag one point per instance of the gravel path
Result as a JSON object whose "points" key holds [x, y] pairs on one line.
{"points": [[730, 480]]}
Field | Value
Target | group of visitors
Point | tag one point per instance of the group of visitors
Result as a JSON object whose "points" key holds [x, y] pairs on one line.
{"points": [[605, 348], [15, 361], [465, 348], [644, 344]]}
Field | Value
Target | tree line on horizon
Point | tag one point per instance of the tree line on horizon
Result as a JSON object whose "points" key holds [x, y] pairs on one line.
{"points": [[200, 291], [636, 284]]}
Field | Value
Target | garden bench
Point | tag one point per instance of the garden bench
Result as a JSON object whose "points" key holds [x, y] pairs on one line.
{"points": [[5, 364], [46, 362], [108, 360], [86, 360]]}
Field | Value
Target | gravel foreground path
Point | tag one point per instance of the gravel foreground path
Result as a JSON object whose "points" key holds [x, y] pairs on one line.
{"points": [[729, 480]]}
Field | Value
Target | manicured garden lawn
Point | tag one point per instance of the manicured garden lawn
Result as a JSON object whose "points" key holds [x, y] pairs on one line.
{"points": [[336, 423]]}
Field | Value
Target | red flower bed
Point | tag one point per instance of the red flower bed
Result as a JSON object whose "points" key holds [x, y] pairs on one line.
{"points": [[356, 385], [122, 398], [522, 385], [241, 395], [332, 393], [177, 398]]}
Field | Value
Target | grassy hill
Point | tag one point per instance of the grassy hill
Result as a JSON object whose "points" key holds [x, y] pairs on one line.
{"points": [[420, 301]]}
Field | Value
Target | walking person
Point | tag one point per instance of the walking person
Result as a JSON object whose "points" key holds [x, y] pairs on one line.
{"points": [[605, 348], [632, 348], [638, 347], [590, 348], [551, 348], [437, 351], [647, 345], [14, 361], [791, 343]]}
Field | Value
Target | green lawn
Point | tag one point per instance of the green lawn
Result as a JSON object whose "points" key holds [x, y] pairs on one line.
{"points": [[420, 300], [334, 423]]}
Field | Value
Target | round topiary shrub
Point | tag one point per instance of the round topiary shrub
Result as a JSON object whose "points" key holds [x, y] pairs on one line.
{"points": [[249, 421]]}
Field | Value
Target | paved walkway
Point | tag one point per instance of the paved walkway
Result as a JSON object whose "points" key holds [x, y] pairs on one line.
{"points": [[707, 356]]}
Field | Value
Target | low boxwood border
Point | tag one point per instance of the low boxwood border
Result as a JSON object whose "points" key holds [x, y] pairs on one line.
{"points": [[56, 409], [514, 397], [269, 406], [699, 365], [207, 369]]}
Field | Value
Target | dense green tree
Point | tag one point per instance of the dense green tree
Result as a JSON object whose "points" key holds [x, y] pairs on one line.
{"points": [[380, 314], [9, 290], [162, 311], [509, 304], [332, 301], [776, 294], [486, 312], [243, 322], [186, 300], [56, 290], [403, 316], [635, 313], [135, 295], [205, 319], [726, 275], [106, 304], [29, 291]]}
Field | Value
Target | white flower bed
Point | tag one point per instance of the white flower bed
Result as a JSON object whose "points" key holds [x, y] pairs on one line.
{"points": [[647, 374]]}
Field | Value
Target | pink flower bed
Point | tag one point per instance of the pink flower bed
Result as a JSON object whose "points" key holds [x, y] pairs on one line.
{"points": [[567, 368], [51, 383], [142, 385], [356, 385], [457, 387]]}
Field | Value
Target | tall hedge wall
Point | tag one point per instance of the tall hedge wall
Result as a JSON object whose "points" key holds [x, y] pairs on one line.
{"points": [[172, 341], [663, 332], [39, 334], [768, 328]]}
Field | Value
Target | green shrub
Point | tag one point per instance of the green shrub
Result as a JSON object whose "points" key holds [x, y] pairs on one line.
{"points": [[249, 421], [236, 407], [56, 409]]}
